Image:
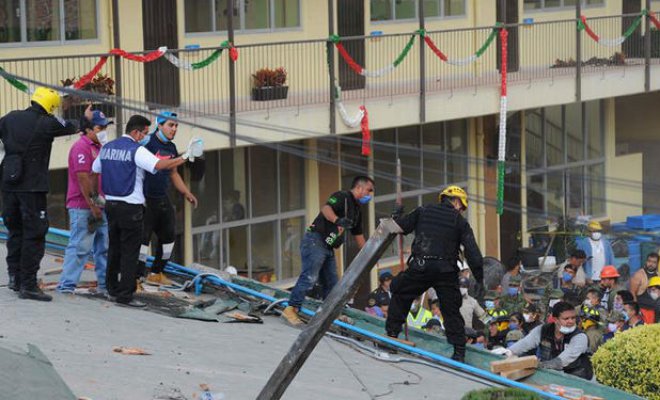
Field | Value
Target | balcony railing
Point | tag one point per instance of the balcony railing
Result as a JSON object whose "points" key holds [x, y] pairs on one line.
{"points": [[537, 51]]}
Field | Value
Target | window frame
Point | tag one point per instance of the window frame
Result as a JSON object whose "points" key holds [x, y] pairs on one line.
{"points": [[24, 42], [408, 20], [221, 227], [562, 7], [544, 170], [241, 21]]}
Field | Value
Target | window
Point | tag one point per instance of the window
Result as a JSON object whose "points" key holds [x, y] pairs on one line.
{"points": [[530, 5], [259, 221], [564, 181], [211, 15], [432, 156], [388, 10], [47, 20]]}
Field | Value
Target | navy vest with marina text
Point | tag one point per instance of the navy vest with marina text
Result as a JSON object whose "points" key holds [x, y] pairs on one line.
{"points": [[118, 166]]}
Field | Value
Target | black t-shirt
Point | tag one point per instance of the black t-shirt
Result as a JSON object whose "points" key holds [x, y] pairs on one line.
{"points": [[344, 205], [156, 185]]}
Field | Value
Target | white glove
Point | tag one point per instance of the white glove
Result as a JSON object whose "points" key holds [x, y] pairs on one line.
{"points": [[501, 351], [195, 149]]}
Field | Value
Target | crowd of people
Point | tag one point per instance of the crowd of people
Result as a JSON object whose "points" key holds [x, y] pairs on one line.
{"points": [[583, 312], [117, 196]]}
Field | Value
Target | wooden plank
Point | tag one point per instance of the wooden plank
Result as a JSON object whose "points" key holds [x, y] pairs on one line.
{"points": [[511, 364], [518, 374]]}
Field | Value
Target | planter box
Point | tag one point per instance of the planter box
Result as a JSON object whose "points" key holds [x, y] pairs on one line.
{"points": [[270, 93], [76, 111]]}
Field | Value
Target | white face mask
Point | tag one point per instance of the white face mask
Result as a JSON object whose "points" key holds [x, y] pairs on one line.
{"points": [[566, 330], [102, 136], [611, 327], [464, 291], [654, 295], [528, 317], [596, 235]]}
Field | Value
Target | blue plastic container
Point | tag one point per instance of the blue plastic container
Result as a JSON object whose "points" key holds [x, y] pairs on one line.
{"points": [[645, 222]]}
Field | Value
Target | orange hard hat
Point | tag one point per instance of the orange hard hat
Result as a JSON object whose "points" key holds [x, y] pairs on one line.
{"points": [[609, 271]]}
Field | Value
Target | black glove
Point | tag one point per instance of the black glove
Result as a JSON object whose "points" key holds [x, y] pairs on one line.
{"points": [[344, 222], [93, 223], [397, 211]]}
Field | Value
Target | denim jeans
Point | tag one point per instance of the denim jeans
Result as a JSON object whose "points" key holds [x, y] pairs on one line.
{"points": [[318, 262], [81, 245]]}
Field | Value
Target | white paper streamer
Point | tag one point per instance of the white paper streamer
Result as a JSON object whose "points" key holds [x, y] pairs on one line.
{"points": [[612, 42], [502, 143], [378, 73], [463, 61], [177, 62], [348, 121]]}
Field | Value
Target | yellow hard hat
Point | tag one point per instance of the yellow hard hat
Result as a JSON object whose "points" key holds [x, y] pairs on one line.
{"points": [[595, 226], [655, 281], [47, 98], [455, 191]]}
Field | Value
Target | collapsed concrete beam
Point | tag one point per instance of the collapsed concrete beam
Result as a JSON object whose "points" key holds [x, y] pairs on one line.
{"points": [[329, 310]]}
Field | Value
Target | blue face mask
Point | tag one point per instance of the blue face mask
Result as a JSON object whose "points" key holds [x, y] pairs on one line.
{"points": [[625, 316], [489, 304], [567, 277], [162, 137], [145, 140], [513, 291], [366, 199], [513, 326], [478, 345]]}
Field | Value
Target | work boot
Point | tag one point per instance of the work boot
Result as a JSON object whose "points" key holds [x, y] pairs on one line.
{"points": [[138, 287], [34, 294], [13, 283], [290, 315], [158, 279], [459, 353], [133, 303]]}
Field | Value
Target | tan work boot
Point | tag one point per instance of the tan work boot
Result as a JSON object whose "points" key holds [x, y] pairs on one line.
{"points": [[158, 280], [138, 287], [290, 315]]}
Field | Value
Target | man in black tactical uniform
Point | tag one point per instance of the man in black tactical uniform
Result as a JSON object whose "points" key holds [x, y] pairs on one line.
{"points": [[440, 230], [28, 139]]}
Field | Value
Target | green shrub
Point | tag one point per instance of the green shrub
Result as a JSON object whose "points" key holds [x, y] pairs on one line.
{"points": [[501, 394], [631, 361]]}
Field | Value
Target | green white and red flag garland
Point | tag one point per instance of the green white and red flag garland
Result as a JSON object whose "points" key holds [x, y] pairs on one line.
{"points": [[360, 119], [360, 70], [460, 61], [613, 42], [501, 154], [185, 65], [149, 57], [654, 20]]}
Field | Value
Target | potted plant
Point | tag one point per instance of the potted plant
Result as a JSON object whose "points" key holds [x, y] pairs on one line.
{"points": [[269, 84], [74, 106]]}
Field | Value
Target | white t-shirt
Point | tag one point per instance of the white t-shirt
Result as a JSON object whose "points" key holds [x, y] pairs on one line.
{"points": [[598, 260], [145, 161]]}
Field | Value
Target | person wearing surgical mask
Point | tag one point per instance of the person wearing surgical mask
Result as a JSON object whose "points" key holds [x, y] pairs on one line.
{"points": [[649, 302], [470, 307], [598, 251], [561, 345], [531, 315], [340, 215], [615, 322], [87, 220], [632, 316]]}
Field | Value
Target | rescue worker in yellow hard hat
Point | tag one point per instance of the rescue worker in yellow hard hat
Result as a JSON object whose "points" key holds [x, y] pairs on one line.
{"points": [[598, 250], [649, 302], [440, 229], [590, 319], [28, 136]]}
